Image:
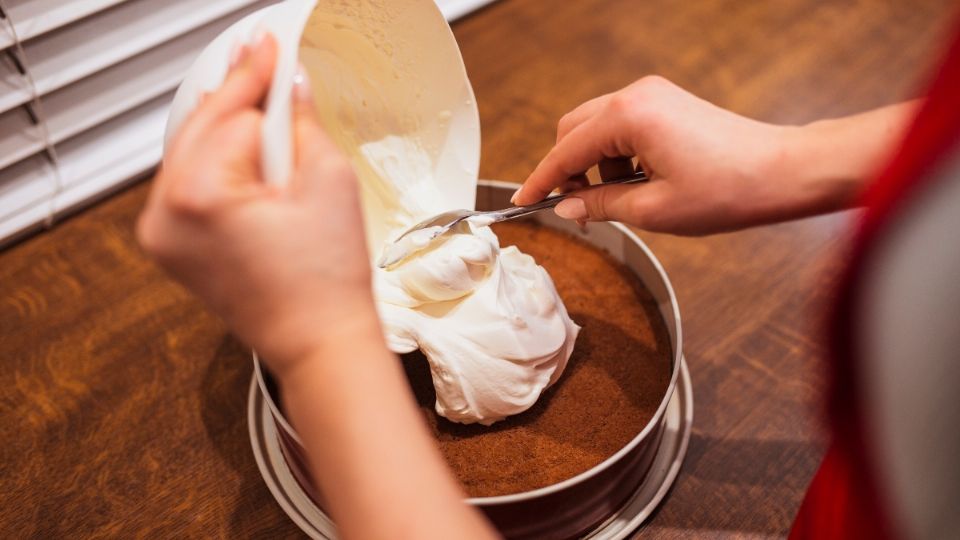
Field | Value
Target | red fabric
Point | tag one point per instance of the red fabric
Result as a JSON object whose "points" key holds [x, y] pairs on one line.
{"points": [[845, 499]]}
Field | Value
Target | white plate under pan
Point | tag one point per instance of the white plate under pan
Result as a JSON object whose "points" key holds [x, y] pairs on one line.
{"points": [[316, 524]]}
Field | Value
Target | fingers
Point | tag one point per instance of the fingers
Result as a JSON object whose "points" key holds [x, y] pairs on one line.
{"points": [[568, 122], [317, 159], [216, 154], [248, 81], [581, 114], [593, 140], [636, 205], [245, 87]]}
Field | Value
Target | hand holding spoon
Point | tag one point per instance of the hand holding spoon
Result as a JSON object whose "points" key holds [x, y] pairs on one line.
{"points": [[422, 234]]}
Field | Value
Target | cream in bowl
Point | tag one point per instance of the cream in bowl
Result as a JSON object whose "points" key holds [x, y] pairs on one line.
{"points": [[391, 90]]}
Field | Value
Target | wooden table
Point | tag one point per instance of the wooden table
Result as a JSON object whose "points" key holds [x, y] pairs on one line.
{"points": [[122, 401]]}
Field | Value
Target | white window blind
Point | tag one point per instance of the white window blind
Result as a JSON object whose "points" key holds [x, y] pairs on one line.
{"points": [[85, 86]]}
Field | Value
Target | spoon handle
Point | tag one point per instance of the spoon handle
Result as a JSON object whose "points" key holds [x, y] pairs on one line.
{"points": [[553, 200]]}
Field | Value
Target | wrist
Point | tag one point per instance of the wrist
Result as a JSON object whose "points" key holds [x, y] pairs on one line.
{"points": [[833, 160], [832, 167], [295, 339], [813, 172]]}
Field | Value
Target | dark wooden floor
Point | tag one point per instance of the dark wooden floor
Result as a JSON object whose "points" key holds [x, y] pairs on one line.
{"points": [[122, 402]]}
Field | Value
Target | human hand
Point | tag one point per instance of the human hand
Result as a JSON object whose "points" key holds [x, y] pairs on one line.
{"points": [[286, 267], [710, 170]]}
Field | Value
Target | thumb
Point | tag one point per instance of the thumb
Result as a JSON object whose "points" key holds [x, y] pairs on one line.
{"points": [[629, 204]]}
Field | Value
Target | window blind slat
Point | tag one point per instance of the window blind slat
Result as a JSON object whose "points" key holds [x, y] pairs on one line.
{"points": [[25, 184], [89, 164], [83, 106], [19, 137], [111, 178], [110, 92], [119, 145], [105, 71], [29, 218], [32, 18], [107, 38], [14, 87]]}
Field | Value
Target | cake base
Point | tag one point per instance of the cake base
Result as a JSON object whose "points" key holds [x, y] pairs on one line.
{"points": [[611, 388], [316, 524]]}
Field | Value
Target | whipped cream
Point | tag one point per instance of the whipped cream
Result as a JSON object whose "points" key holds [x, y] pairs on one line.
{"points": [[488, 319]]}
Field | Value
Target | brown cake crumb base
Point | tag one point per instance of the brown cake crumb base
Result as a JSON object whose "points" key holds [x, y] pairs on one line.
{"points": [[612, 386]]}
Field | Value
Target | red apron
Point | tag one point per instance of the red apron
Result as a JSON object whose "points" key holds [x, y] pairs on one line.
{"points": [[846, 498]]}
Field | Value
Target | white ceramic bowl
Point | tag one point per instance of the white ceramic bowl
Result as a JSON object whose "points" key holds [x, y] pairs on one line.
{"points": [[400, 74]]}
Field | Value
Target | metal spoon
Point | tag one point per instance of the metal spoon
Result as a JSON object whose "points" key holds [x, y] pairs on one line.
{"points": [[442, 223]]}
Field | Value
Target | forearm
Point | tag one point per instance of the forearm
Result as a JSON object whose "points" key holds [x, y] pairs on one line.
{"points": [[825, 166], [368, 445]]}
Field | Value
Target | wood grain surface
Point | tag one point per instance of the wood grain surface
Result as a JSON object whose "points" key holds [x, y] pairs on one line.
{"points": [[122, 401]]}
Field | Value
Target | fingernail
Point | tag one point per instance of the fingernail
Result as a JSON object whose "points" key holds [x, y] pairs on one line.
{"points": [[259, 34], [572, 208], [237, 52], [301, 85], [513, 198]]}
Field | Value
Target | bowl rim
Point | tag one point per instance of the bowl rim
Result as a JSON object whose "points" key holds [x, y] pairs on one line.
{"points": [[596, 469]]}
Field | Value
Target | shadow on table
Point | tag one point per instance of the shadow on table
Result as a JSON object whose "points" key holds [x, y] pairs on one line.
{"points": [[738, 485], [224, 394]]}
